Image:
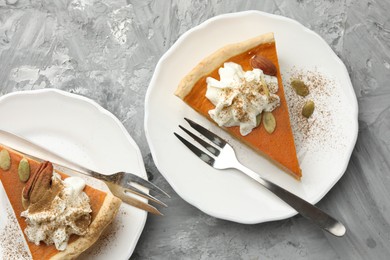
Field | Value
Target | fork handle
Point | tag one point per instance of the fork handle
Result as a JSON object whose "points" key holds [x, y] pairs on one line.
{"points": [[309, 211]]}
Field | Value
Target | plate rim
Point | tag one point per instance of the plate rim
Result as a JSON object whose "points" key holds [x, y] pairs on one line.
{"points": [[203, 26], [110, 116]]}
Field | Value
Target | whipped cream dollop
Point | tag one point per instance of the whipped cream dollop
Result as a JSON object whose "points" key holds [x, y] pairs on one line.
{"points": [[66, 212], [239, 96]]}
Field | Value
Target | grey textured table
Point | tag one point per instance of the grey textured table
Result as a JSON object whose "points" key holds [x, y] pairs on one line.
{"points": [[107, 51]]}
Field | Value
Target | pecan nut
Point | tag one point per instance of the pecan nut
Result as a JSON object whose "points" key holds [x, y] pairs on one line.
{"points": [[38, 183]]}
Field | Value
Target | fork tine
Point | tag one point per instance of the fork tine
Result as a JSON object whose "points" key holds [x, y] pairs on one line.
{"points": [[120, 192], [206, 133], [141, 205], [205, 157], [142, 194], [147, 184], [206, 145]]}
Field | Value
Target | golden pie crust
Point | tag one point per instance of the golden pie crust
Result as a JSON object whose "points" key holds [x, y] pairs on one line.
{"points": [[278, 147]]}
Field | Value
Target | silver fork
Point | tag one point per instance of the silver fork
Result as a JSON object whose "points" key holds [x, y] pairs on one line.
{"points": [[224, 157], [119, 183]]}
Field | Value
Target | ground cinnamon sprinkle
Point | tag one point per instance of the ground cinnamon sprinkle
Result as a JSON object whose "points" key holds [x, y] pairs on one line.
{"points": [[12, 244], [318, 129]]}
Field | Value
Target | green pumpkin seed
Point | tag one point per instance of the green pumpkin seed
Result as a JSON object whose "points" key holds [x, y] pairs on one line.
{"points": [[5, 160], [300, 87], [308, 109], [24, 170], [269, 122], [258, 120]]}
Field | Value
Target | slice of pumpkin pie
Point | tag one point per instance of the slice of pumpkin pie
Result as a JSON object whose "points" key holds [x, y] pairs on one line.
{"points": [[60, 215], [239, 88]]}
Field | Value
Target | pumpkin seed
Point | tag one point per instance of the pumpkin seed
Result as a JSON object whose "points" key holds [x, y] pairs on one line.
{"points": [[308, 109], [300, 87], [24, 170], [5, 160], [258, 120], [269, 122]]}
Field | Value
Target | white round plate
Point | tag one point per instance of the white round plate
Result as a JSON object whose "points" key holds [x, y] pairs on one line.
{"points": [[80, 130], [229, 194]]}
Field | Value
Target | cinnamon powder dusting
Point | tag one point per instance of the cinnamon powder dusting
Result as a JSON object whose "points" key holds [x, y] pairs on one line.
{"points": [[12, 244], [318, 129]]}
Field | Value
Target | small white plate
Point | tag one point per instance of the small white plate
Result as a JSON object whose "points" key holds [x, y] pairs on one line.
{"points": [[80, 130], [229, 194]]}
